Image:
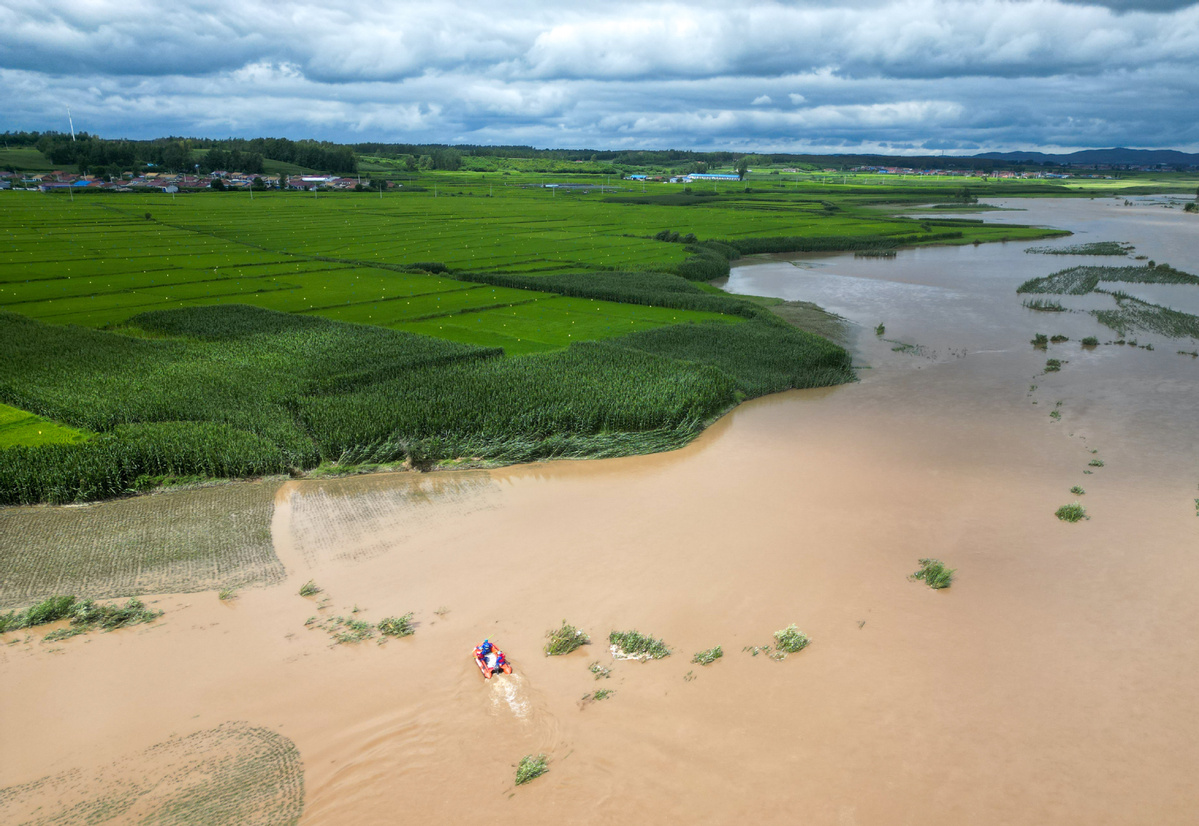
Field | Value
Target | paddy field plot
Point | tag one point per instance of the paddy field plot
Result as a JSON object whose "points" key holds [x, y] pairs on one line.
{"points": [[99, 261], [176, 541], [19, 427]]}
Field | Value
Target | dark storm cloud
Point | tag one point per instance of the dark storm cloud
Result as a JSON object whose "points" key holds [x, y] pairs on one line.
{"points": [[915, 74]]}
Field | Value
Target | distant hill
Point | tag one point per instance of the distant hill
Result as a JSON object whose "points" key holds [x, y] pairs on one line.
{"points": [[1118, 155]]}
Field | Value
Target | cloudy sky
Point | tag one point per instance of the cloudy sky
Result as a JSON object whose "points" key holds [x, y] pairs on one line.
{"points": [[898, 76]]}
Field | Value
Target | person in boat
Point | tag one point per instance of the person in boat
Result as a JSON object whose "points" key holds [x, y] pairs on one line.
{"points": [[490, 656]]}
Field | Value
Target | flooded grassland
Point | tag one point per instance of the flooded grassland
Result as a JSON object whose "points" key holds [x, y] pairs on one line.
{"points": [[1053, 682]]}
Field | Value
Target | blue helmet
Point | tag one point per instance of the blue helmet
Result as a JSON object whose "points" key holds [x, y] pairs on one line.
{"points": [[486, 646]]}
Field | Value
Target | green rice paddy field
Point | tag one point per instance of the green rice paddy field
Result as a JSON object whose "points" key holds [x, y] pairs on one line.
{"points": [[97, 260], [517, 322]]}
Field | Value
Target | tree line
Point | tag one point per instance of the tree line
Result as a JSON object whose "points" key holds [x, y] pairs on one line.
{"points": [[173, 154]]}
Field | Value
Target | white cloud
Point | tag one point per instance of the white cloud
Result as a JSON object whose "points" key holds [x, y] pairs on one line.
{"points": [[896, 72]]}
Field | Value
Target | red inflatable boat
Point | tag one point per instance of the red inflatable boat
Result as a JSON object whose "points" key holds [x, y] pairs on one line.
{"points": [[493, 662]]}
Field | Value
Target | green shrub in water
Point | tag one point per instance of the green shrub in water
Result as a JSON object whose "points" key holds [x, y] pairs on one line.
{"points": [[564, 640], [790, 640], [47, 611], [1071, 513], [934, 573], [635, 645]]}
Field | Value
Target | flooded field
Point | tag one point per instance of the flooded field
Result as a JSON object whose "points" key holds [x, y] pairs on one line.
{"points": [[1053, 683]]}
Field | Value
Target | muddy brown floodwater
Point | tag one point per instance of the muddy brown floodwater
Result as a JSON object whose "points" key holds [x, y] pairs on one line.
{"points": [[1053, 683]]}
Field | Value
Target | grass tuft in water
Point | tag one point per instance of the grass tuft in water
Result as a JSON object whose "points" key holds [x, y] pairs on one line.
{"points": [[934, 573], [1040, 340], [1053, 365], [790, 640], [1090, 341], [636, 646], [880, 329], [564, 640], [530, 768], [227, 594], [397, 626], [709, 656], [1077, 490], [1095, 463], [599, 671], [1071, 513], [309, 588]]}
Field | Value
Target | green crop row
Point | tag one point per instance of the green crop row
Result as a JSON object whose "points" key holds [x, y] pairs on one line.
{"points": [[239, 391], [588, 389], [654, 289]]}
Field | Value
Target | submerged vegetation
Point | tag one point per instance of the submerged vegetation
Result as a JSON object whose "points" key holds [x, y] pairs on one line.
{"points": [[234, 773], [187, 541], [601, 672], [1043, 305], [1092, 248], [708, 656], [352, 629], [531, 766], [633, 645], [1083, 280], [564, 640], [1133, 314], [934, 574]]}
